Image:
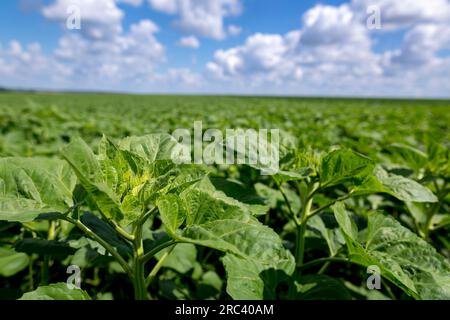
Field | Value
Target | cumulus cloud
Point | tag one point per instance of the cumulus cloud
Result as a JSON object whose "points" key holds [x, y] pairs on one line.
{"points": [[101, 54], [189, 42], [21, 65], [100, 19], [330, 52], [128, 56], [333, 52], [262, 58], [200, 17], [400, 14]]}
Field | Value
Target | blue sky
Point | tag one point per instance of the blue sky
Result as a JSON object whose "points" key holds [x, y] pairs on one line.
{"points": [[280, 47]]}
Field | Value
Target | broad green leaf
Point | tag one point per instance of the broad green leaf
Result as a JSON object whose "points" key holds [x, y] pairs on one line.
{"points": [[417, 212], [320, 287], [12, 262], [343, 165], [245, 195], [89, 172], [57, 249], [173, 213], [58, 291], [181, 259], [400, 187], [248, 279], [284, 176], [155, 147], [33, 186], [234, 193], [403, 258], [212, 220], [413, 157], [332, 236], [124, 180]]}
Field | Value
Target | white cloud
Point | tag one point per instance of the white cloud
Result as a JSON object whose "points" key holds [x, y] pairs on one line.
{"points": [[400, 14], [166, 6], [420, 49], [200, 17], [189, 42], [234, 30], [262, 58], [333, 53], [22, 65], [127, 57], [100, 19], [329, 25]]}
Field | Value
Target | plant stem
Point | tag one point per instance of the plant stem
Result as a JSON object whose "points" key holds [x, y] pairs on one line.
{"points": [[286, 200], [46, 264], [140, 289], [301, 231], [441, 194], [158, 266], [146, 257], [106, 245]]}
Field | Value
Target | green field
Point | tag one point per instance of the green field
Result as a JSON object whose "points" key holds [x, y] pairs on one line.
{"points": [[375, 165]]}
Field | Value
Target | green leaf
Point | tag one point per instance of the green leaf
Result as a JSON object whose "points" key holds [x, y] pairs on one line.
{"points": [[58, 291], [52, 248], [244, 194], [249, 279], [332, 237], [155, 147], [400, 187], [343, 165], [173, 213], [320, 287], [215, 221], [284, 176], [413, 157], [405, 259], [182, 259], [33, 186], [91, 176], [124, 180], [12, 262]]}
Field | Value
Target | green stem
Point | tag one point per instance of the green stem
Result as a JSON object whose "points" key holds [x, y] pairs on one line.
{"points": [[318, 210], [140, 289], [146, 257], [118, 229], [441, 194], [286, 200], [147, 215], [46, 264], [106, 245], [300, 244], [158, 266], [301, 231]]}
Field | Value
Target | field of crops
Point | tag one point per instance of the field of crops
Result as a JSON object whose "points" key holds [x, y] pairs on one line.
{"points": [[92, 205]]}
